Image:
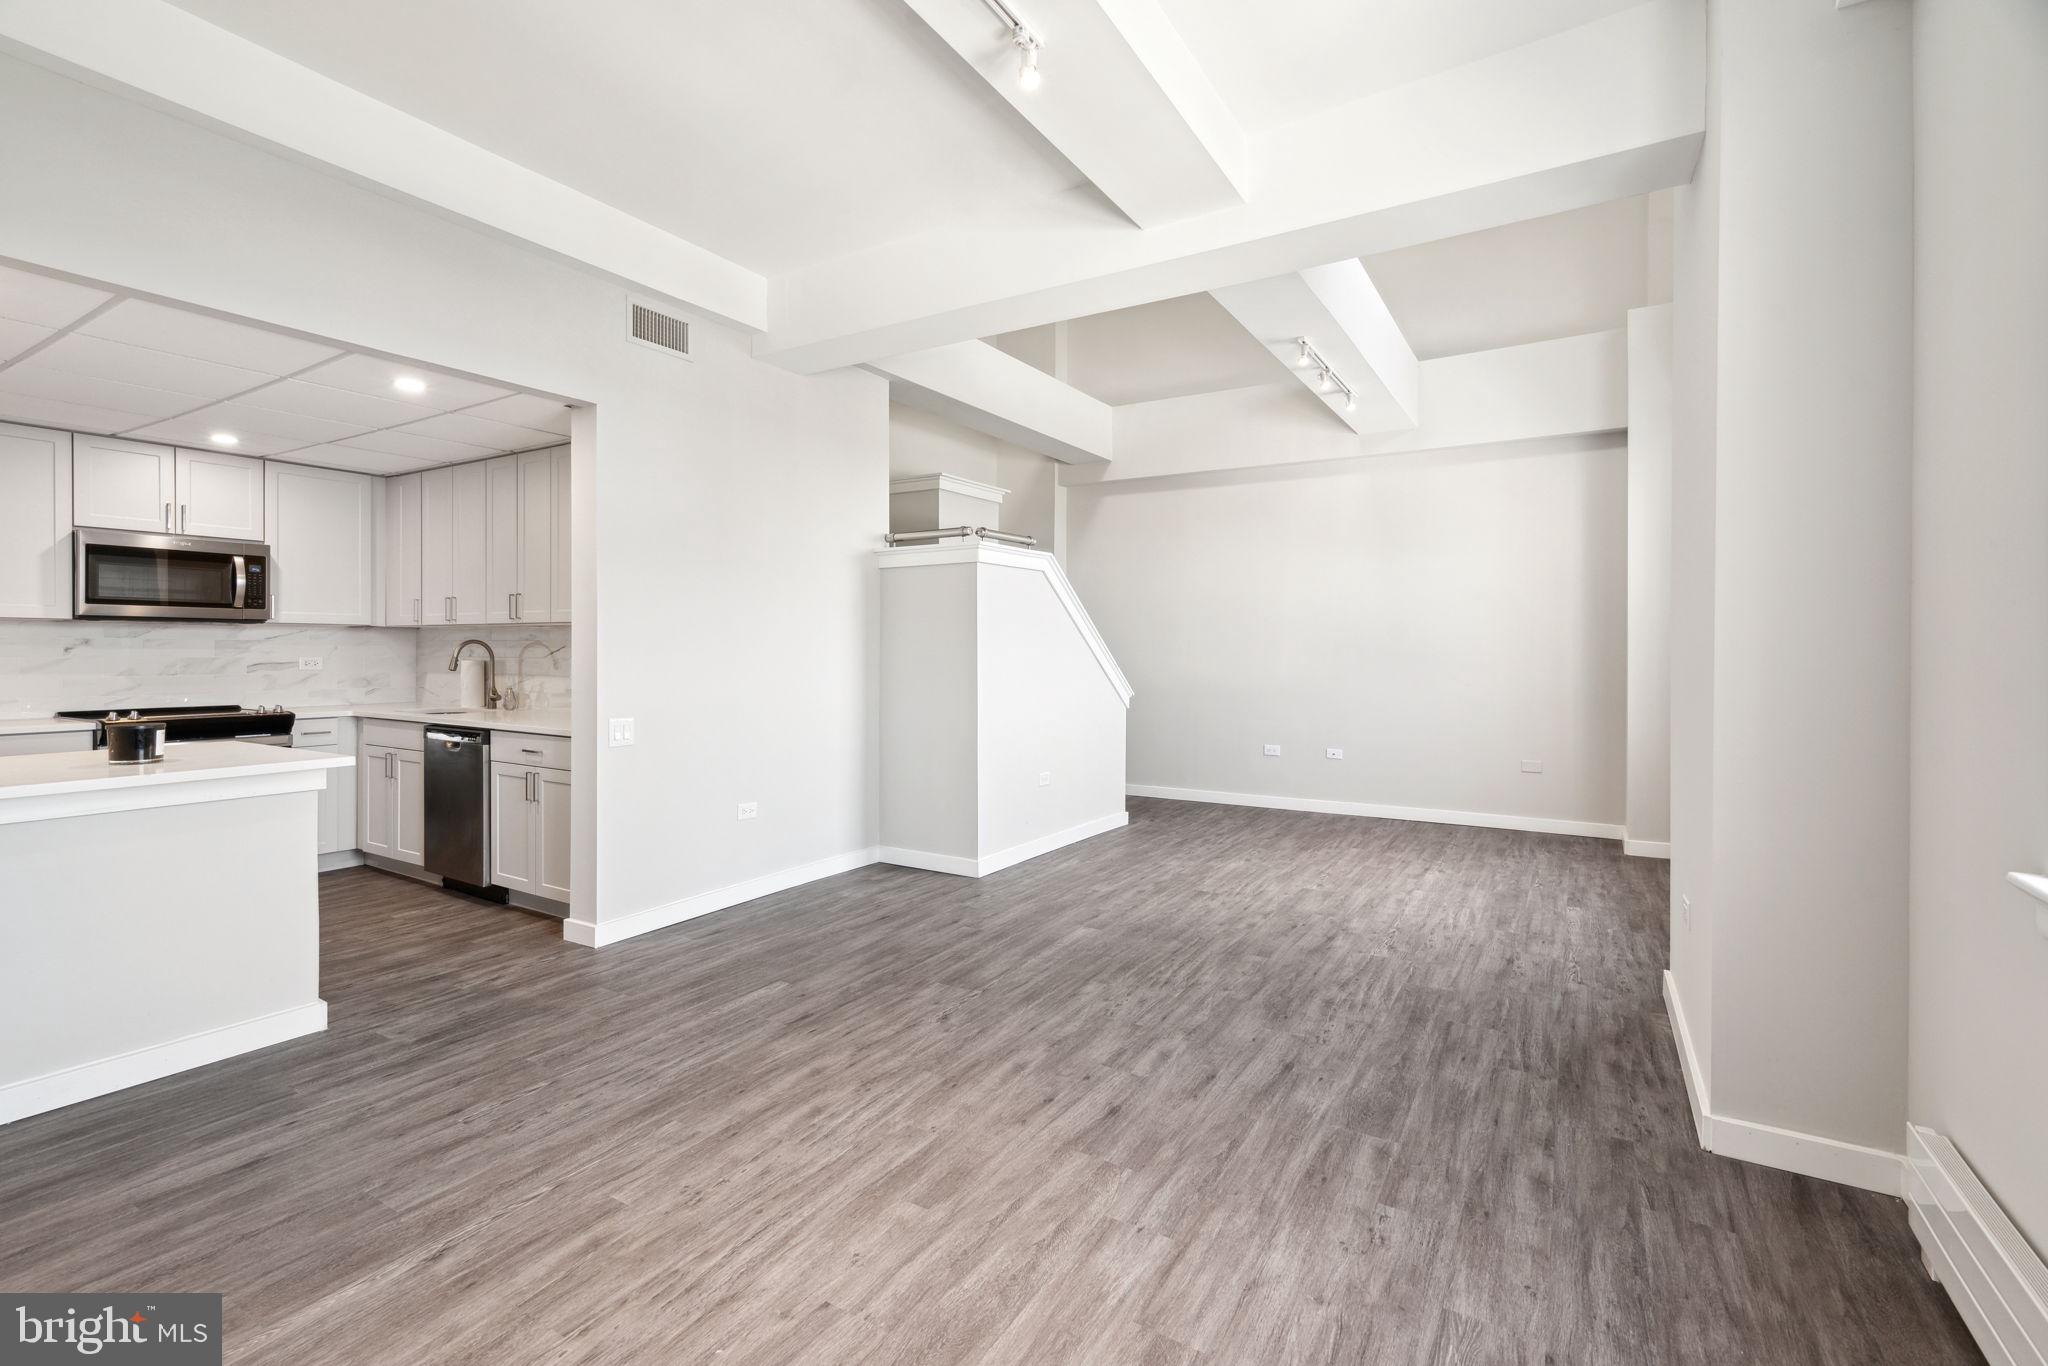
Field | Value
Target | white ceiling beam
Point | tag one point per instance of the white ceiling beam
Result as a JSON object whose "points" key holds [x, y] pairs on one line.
{"points": [[1571, 387], [1337, 311], [1121, 97], [992, 392], [208, 75], [1607, 110]]}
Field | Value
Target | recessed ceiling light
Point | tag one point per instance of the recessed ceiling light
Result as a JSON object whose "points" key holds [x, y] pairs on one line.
{"points": [[409, 384], [224, 439]]}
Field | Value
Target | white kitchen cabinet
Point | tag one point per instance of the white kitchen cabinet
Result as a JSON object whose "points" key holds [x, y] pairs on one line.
{"points": [[400, 548], [322, 545], [455, 521], [122, 485], [522, 554], [35, 522], [332, 735], [530, 829], [219, 495], [560, 598], [391, 803]]}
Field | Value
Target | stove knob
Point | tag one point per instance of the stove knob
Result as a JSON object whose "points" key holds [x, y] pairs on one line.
{"points": [[113, 716], [134, 716]]}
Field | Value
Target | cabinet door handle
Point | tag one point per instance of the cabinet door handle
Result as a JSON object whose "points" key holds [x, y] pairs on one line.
{"points": [[415, 610], [519, 606], [184, 516], [509, 613], [167, 516], [530, 776]]}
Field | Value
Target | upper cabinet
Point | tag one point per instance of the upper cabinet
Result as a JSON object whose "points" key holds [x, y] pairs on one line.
{"points": [[399, 536], [35, 522], [219, 495], [524, 536], [322, 545], [123, 485], [136, 486], [455, 522]]}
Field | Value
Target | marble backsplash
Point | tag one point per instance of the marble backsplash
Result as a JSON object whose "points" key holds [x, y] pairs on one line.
{"points": [[533, 663], [50, 666]]}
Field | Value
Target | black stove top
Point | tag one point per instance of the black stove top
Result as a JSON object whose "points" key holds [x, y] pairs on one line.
{"points": [[186, 723]]}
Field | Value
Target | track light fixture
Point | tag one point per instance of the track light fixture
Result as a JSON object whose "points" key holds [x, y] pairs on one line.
{"points": [[1327, 380], [1024, 40]]}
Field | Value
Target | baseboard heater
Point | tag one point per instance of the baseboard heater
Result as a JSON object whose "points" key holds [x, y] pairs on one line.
{"points": [[1998, 1282]]}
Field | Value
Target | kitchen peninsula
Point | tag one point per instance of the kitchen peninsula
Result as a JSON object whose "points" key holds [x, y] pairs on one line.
{"points": [[154, 917]]}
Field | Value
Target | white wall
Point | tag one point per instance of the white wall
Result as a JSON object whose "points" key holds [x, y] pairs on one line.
{"points": [[1649, 579], [1799, 242], [745, 652], [1979, 987], [1440, 617], [930, 711]]}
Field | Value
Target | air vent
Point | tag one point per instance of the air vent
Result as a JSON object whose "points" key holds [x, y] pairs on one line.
{"points": [[663, 331]]}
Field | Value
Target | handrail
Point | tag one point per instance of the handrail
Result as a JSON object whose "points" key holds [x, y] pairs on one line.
{"points": [[937, 533]]}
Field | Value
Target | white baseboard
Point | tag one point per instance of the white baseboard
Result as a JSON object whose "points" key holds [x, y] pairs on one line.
{"points": [[52, 1090], [961, 866], [341, 858], [596, 934], [1998, 1282], [1830, 1159], [1689, 1063], [1542, 825], [1646, 848]]}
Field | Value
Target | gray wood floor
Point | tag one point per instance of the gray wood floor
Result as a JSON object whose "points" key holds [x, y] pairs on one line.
{"points": [[1227, 1086]]}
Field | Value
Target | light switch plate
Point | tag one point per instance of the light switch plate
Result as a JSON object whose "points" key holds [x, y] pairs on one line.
{"points": [[1045, 780], [1272, 751], [622, 730], [1333, 753], [1532, 765], [311, 663], [749, 810]]}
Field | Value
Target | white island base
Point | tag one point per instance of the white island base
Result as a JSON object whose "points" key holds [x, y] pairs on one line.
{"points": [[154, 918]]}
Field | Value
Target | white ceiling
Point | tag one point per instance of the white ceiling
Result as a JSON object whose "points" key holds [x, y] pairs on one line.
{"points": [[1536, 280], [775, 133], [87, 360], [1276, 63]]}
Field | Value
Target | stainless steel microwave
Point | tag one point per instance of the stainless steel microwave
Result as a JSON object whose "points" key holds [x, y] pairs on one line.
{"points": [[183, 578]]}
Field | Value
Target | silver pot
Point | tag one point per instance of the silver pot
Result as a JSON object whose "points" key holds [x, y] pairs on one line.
{"points": [[134, 742]]}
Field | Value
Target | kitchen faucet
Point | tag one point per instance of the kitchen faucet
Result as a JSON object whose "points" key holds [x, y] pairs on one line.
{"points": [[491, 697]]}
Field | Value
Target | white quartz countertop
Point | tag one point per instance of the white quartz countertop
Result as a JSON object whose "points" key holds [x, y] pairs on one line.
{"points": [[44, 786], [536, 721]]}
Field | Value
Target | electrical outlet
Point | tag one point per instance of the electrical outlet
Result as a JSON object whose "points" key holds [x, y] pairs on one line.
{"points": [[1045, 780], [1272, 751], [1333, 753], [312, 663], [622, 730], [1532, 765], [749, 810]]}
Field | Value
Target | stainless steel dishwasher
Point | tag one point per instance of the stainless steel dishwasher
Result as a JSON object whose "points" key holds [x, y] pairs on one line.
{"points": [[458, 800]]}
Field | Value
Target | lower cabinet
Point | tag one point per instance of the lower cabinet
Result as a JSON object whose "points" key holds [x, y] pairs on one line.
{"points": [[391, 805], [333, 735], [530, 830]]}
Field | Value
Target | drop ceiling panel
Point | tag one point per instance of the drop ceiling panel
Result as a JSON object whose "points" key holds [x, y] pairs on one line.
{"points": [[526, 410], [33, 378], [354, 458], [76, 417], [478, 431], [300, 430], [361, 411], [101, 358], [198, 435], [370, 375], [38, 299], [17, 337], [202, 338], [427, 448]]}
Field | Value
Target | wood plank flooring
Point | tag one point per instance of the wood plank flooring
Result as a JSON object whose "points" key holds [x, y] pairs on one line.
{"points": [[1227, 1086]]}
